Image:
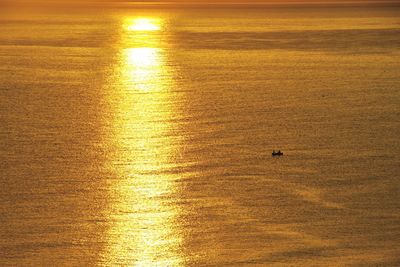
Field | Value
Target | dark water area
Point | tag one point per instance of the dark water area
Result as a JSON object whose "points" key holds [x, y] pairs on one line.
{"points": [[143, 137]]}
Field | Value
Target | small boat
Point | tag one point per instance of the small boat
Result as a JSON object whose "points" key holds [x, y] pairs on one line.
{"points": [[279, 153]]}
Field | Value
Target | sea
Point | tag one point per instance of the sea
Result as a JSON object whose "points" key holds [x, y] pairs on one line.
{"points": [[142, 136]]}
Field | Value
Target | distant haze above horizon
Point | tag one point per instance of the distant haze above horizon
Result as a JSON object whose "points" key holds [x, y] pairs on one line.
{"points": [[190, 2]]}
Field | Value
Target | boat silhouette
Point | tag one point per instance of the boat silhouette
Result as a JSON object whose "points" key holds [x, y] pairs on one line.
{"points": [[279, 153]]}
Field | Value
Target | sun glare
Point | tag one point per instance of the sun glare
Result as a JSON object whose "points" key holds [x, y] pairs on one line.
{"points": [[146, 231], [142, 68], [143, 57], [143, 24]]}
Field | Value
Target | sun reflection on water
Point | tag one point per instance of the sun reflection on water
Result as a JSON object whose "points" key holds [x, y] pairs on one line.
{"points": [[145, 231], [142, 24], [142, 68]]}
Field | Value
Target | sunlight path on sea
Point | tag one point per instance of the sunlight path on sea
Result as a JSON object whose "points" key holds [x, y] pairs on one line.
{"points": [[143, 213]]}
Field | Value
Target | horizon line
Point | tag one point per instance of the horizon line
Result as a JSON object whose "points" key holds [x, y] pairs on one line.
{"points": [[122, 3]]}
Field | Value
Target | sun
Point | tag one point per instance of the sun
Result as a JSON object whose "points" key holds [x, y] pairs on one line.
{"points": [[143, 24]]}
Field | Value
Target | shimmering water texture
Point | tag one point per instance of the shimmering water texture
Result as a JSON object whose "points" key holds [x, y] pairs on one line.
{"points": [[144, 137]]}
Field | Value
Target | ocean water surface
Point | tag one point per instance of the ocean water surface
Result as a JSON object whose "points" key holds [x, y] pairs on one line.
{"points": [[138, 137]]}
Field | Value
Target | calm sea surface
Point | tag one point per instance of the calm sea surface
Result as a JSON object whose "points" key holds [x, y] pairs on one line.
{"points": [[144, 137]]}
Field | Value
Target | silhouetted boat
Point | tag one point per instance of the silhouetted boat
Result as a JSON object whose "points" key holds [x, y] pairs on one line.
{"points": [[279, 153]]}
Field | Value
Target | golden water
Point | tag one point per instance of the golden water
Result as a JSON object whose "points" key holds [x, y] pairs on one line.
{"points": [[143, 137]]}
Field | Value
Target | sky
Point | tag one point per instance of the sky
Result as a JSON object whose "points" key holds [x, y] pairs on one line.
{"points": [[133, 2]]}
